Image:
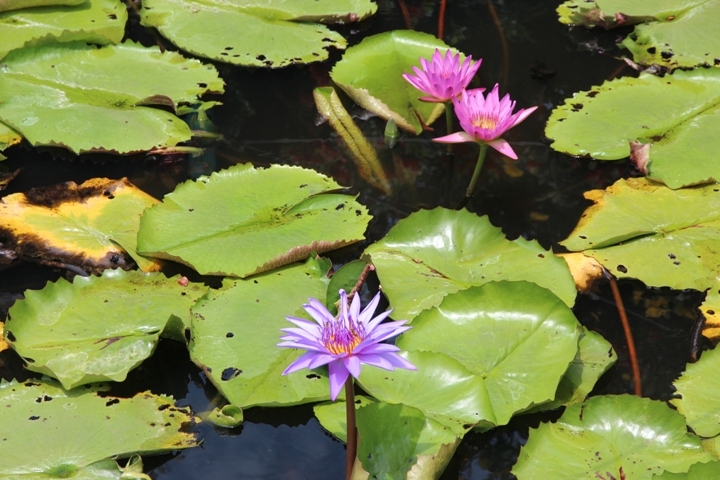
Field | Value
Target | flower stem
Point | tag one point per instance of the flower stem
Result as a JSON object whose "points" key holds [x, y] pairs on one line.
{"points": [[351, 429], [449, 124], [478, 167]]}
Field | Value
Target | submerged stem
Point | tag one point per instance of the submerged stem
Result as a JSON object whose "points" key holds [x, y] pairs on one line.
{"points": [[351, 429], [478, 167], [628, 336]]}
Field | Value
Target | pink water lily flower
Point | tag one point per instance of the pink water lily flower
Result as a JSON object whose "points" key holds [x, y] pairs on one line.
{"points": [[485, 119], [443, 78], [345, 342]]}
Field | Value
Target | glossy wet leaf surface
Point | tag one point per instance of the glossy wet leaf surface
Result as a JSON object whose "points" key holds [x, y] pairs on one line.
{"points": [[235, 332], [77, 428], [92, 21], [663, 237], [97, 329], [671, 33], [92, 226], [371, 74], [518, 350], [244, 220], [273, 33], [699, 471], [676, 115], [433, 253], [85, 98], [611, 436], [697, 388]]}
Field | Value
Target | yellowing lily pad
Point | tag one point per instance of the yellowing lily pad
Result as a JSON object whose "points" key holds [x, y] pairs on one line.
{"points": [[92, 226]]}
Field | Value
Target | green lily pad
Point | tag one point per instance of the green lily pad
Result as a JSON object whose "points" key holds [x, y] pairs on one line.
{"points": [[273, 33], [371, 74], [88, 99], [235, 332], [96, 329], [229, 416], [433, 253], [6, 5], [347, 278], [333, 417], [92, 21], [244, 220], [710, 309], [674, 33], [699, 471], [595, 355], [91, 226], [49, 432], [666, 124], [699, 402], [613, 436], [638, 229], [520, 350], [8, 137]]}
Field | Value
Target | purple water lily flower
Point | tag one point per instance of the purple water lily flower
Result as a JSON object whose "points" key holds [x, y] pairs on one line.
{"points": [[443, 78], [344, 342], [484, 119]]}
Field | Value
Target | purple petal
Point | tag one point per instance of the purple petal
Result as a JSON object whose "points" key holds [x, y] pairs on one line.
{"points": [[318, 311], [457, 137], [377, 361], [355, 307], [372, 324], [319, 360], [369, 309], [338, 376], [399, 362], [304, 346], [309, 327], [523, 114], [352, 363], [376, 348], [302, 362], [503, 147]]}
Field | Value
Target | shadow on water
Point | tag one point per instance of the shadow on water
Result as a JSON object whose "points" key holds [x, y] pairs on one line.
{"points": [[269, 117]]}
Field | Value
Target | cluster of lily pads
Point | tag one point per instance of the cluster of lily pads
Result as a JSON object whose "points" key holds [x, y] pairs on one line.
{"points": [[493, 334]]}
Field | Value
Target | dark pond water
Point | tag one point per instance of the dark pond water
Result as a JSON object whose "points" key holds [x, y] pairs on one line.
{"points": [[269, 117]]}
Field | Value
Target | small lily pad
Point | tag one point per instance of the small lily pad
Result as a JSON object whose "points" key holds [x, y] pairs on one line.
{"points": [[229, 416], [244, 220]]}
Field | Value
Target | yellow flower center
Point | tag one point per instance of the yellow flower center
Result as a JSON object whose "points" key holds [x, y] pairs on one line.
{"points": [[484, 122], [342, 342]]}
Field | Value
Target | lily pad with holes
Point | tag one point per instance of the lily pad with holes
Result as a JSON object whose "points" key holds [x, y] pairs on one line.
{"points": [[98, 329], [663, 237], [371, 74], [611, 436], [515, 352], [244, 220], [92, 226], [433, 253], [271, 33], [666, 125], [91, 99], [235, 332], [71, 429], [93, 21], [395, 441], [671, 33], [697, 388]]}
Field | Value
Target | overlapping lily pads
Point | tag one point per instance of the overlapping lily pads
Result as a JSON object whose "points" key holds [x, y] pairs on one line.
{"points": [[673, 33], [674, 117], [433, 253], [371, 73], [699, 402], [235, 332], [97, 329], [49, 432], [244, 220], [92, 21], [91, 226], [619, 436], [271, 33], [639, 229], [88, 99]]}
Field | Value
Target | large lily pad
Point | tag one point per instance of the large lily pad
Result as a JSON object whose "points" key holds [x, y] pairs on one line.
{"points": [[91, 21], [698, 387], [8, 137], [675, 117], [520, 350], [433, 253], [674, 33], [87, 98], [48, 432], [619, 436], [6, 5], [235, 332], [699, 471], [638, 229], [244, 220], [271, 33], [91, 226], [371, 73], [396, 441], [97, 329]]}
